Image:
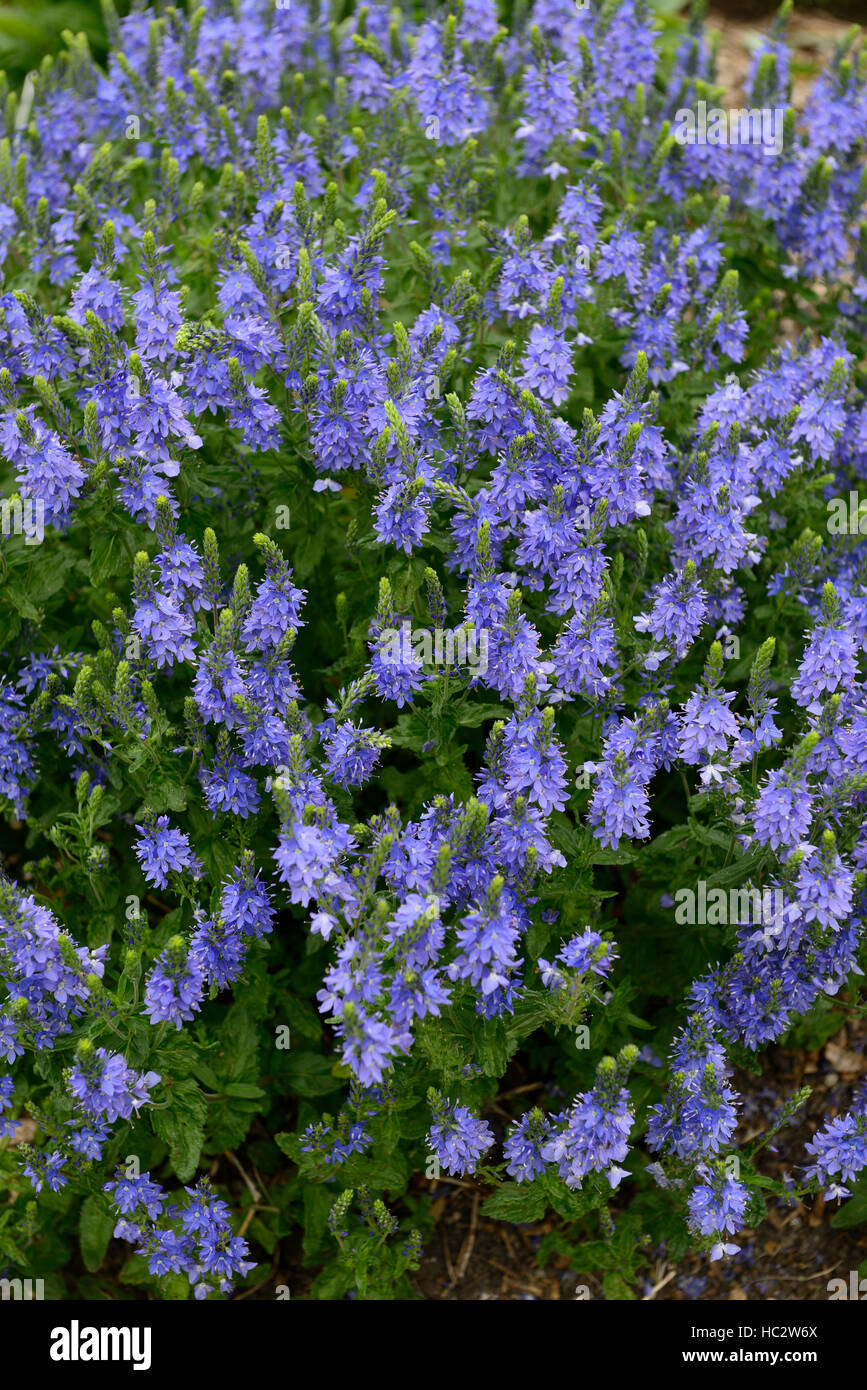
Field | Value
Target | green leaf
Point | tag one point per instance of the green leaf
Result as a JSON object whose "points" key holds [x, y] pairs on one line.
{"points": [[310, 1074], [95, 1225], [709, 834], [570, 1204], [382, 1172], [852, 1213], [677, 838], [493, 1046], [516, 1202], [240, 1037], [14, 594], [171, 1287], [471, 716], [182, 1127], [46, 579], [748, 866], [616, 1287], [105, 552], [564, 836], [289, 1144], [166, 796]]}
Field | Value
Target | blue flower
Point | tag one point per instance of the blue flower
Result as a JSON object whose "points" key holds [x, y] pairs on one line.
{"points": [[173, 989], [457, 1137], [102, 1085]]}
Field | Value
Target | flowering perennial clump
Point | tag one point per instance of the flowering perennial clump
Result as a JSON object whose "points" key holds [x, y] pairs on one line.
{"points": [[327, 343]]}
